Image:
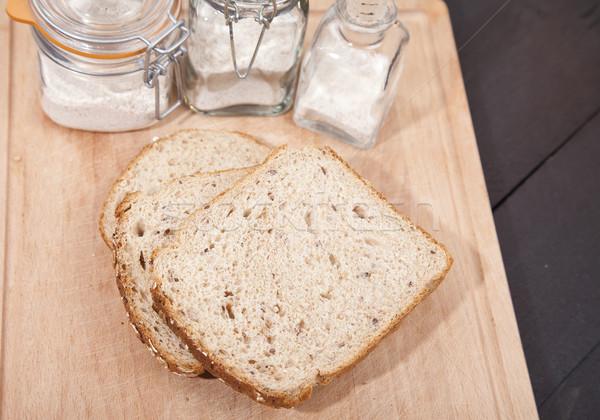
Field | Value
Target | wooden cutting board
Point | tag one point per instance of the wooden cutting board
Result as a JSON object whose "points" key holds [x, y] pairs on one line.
{"points": [[68, 351]]}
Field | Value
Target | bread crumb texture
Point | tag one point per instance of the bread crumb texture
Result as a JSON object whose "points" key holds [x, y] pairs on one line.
{"points": [[292, 276], [182, 153]]}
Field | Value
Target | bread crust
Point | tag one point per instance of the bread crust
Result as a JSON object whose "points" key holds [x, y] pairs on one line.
{"points": [[124, 285], [273, 398], [142, 334], [109, 202]]}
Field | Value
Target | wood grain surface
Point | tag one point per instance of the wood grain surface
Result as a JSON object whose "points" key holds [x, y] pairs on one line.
{"points": [[68, 351], [5, 39]]}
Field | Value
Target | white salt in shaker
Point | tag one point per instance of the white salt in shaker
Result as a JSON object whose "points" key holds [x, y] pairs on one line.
{"points": [[105, 65], [350, 73], [243, 55]]}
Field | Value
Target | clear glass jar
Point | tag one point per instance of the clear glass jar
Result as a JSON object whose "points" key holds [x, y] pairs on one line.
{"points": [[219, 81], [104, 65], [350, 72]]}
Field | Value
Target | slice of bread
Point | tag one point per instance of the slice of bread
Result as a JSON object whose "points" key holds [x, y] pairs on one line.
{"points": [[145, 223], [182, 153], [291, 277]]}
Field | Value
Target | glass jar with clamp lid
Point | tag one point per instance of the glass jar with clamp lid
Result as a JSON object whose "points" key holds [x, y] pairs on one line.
{"points": [[106, 65], [243, 55]]}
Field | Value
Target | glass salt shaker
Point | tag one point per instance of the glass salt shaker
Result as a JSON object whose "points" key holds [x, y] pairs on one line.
{"points": [[243, 55], [105, 65], [350, 73]]}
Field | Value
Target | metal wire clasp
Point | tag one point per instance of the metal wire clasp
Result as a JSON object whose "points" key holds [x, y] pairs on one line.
{"points": [[260, 18], [165, 55]]}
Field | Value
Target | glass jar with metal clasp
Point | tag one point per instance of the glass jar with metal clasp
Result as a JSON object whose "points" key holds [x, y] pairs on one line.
{"points": [[243, 55], [106, 65]]}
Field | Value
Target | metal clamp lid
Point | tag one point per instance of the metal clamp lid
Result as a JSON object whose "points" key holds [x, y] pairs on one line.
{"points": [[165, 56], [260, 18]]}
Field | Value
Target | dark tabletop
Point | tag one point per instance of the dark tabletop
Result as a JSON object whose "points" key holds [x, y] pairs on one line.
{"points": [[532, 75]]}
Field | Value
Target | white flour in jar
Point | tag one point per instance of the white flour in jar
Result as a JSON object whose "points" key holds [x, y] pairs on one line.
{"points": [[98, 103], [345, 90], [209, 53]]}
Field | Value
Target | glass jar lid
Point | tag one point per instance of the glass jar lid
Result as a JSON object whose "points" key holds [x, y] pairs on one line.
{"points": [[103, 27]]}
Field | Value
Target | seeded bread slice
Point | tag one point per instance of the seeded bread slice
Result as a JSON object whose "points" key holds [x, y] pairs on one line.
{"points": [[182, 153], [146, 222], [291, 277]]}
